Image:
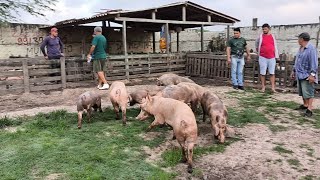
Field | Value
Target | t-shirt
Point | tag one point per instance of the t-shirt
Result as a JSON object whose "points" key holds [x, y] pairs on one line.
{"points": [[267, 49], [238, 46], [100, 43], [54, 47]]}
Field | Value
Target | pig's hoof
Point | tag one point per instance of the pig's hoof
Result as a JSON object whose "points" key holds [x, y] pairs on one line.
{"points": [[124, 124], [190, 169], [174, 138], [79, 127], [183, 160], [117, 118]]}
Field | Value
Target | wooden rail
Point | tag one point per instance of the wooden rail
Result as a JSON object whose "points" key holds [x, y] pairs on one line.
{"points": [[36, 74]]}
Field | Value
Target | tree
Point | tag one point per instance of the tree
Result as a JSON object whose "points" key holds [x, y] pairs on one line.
{"points": [[10, 9]]}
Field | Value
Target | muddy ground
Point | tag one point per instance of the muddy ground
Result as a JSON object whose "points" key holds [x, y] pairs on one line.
{"points": [[252, 157]]}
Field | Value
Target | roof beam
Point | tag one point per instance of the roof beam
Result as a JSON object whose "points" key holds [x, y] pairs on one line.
{"points": [[169, 21], [184, 13]]}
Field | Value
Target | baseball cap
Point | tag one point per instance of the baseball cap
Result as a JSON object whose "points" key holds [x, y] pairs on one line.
{"points": [[97, 29]]}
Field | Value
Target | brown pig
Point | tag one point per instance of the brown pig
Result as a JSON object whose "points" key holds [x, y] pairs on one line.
{"points": [[119, 99], [171, 79], [86, 102], [180, 117], [137, 96], [218, 114]]}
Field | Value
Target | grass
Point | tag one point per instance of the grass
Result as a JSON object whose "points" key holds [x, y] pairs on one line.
{"points": [[5, 122], [310, 152], [51, 143], [241, 118], [277, 128], [282, 150], [173, 157], [309, 177], [294, 162]]}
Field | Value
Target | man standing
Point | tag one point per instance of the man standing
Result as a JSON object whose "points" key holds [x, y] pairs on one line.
{"points": [[266, 46], [235, 51], [305, 70], [54, 45], [98, 48]]}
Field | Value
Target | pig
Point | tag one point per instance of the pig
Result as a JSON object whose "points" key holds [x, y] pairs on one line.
{"points": [[172, 79], [180, 117], [137, 96], [185, 92], [119, 99], [86, 102], [218, 115]]}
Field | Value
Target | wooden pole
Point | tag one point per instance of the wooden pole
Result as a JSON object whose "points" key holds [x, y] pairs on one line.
{"points": [[184, 13], [202, 43], [63, 72], [109, 24], [26, 76], [228, 33], [154, 42], [154, 15], [318, 34], [167, 38], [178, 50], [104, 24], [124, 39]]}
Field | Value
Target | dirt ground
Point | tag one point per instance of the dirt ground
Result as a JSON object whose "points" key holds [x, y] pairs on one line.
{"points": [[251, 158]]}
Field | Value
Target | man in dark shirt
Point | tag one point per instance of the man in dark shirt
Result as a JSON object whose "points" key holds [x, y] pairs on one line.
{"points": [[236, 47], [54, 45]]}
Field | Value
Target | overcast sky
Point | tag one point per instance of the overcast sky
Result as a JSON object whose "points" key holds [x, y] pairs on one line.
{"points": [[274, 12]]}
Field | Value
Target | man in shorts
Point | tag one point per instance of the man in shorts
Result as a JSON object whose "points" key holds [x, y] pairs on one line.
{"points": [[98, 49], [268, 52], [305, 70]]}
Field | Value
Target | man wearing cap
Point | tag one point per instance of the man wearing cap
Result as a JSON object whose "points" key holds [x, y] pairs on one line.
{"points": [[266, 46], [305, 70], [54, 45], [98, 49]]}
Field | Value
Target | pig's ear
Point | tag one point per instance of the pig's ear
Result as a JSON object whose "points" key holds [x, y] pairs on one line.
{"points": [[148, 97]]}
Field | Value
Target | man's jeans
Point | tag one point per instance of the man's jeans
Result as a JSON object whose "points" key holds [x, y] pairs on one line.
{"points": [[237, 71]]}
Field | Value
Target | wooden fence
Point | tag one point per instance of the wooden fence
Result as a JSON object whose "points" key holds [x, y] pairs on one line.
{"points": [[36, 74], [215, 66]]}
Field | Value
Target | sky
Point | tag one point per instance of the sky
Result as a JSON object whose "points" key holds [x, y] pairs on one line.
{"points": [[274, 12]]}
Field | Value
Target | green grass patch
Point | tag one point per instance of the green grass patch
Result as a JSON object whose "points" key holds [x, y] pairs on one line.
{"points": [[308, 177], [5, 122], [277, 128], [51, 143], [282, 150], [294, 162], [173, 157], [240, 118], [310, 152]]}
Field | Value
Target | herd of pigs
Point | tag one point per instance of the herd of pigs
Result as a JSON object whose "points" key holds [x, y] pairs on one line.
{"points": [[170, 104]]}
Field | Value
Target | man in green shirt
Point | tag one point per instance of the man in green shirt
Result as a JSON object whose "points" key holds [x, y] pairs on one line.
{"points": [[99, 55], [235, 51]]}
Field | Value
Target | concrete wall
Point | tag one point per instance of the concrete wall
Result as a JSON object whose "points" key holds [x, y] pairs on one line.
{"points": [[286, 35]]}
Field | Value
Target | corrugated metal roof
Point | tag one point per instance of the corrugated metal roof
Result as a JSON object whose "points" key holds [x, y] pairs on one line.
{"points": [[111, 14]]}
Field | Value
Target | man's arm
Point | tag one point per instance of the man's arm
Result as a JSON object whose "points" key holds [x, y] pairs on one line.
{"points": [[61, 45], [91, 50], [228, 54], [248, 53], [43, 45], [314, 61], [257, 44]]}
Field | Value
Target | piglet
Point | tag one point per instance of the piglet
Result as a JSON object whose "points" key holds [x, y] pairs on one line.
{"points": [[218, 114], [171, 79], [86, 102], [180, 117], [119, 99]]}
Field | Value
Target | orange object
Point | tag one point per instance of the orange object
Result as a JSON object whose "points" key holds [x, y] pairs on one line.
{"points": [[163, 43]]}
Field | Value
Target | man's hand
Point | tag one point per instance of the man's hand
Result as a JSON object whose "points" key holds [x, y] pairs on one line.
{"points": [[46, 57], [229, 60], [311, 79], [62, 55], [88, 57], [293, 75], [248, 58]]}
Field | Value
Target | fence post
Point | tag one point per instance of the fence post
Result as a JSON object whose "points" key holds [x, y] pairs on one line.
{"points": [[63, 72], [26, 76], [149, 64]]}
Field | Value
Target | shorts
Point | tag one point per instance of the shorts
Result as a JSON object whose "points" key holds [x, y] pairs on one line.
{"points": [[265, 63], [306, 90], [100, 65]]}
